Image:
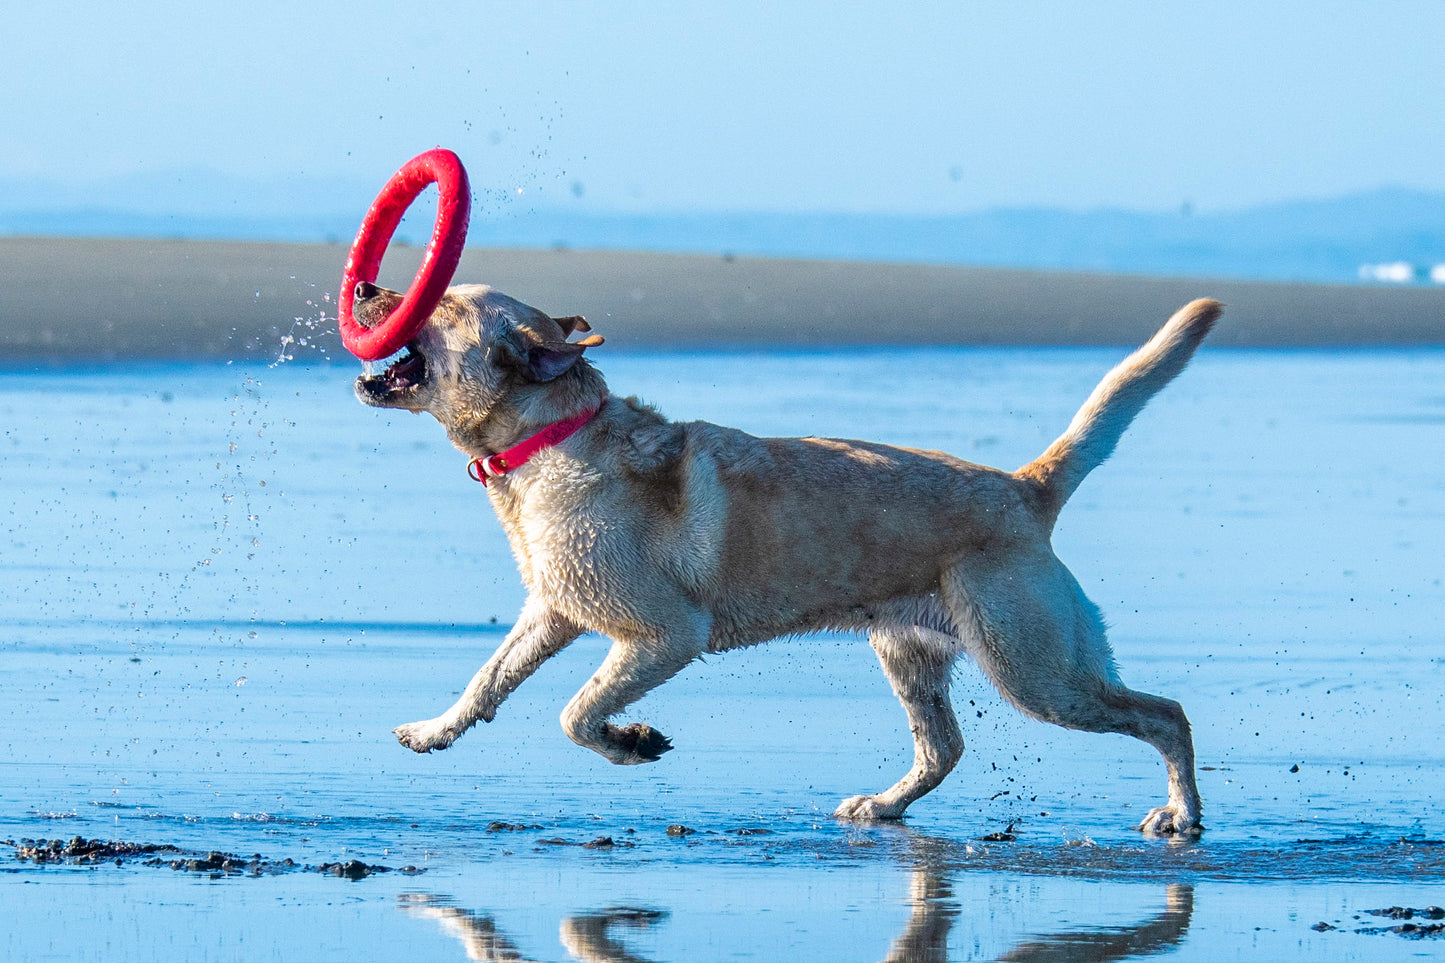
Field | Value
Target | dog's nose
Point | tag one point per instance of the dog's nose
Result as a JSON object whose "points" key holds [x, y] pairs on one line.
{"points": [[365, 289]]}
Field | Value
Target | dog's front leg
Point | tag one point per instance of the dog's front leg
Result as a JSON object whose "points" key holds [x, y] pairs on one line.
{"points": [[633, 667], [539, 634]]}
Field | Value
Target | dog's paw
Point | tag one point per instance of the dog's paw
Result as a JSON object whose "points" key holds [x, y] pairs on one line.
{"points": [[867, 808], [638, 743], [1170, 821], [425, 736]]}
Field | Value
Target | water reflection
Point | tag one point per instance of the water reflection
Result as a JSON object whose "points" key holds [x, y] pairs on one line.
{"points": [[475, 931], [598, 936], [1164, 931], [931, 913], [588, 937]]}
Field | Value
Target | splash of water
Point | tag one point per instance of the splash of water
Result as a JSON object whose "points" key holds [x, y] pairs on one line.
{"points": [[307, 332]]}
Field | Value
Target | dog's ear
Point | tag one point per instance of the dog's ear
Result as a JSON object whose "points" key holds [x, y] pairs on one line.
{"points": [[572, 323], [547, 360]]}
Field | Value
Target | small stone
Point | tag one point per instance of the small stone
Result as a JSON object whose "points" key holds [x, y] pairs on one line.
{"points": [[1393, 912]]}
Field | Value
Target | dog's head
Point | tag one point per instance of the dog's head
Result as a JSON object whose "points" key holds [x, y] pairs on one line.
{"points": [[478, 350]]}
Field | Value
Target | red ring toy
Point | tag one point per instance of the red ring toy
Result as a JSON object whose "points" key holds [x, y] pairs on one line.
{"points": [[449, 234]]}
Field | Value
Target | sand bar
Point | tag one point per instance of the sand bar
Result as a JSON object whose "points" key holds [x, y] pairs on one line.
{"points": [[65, 299]]}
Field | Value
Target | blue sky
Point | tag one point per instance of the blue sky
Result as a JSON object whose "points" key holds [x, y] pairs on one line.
{"points": [[901, 108]]}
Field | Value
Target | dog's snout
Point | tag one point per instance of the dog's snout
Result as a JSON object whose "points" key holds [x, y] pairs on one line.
{"points": [[365, 289]]}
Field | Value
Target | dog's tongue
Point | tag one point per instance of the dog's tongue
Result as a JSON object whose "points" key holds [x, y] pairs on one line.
{"points": [[408, 370]]}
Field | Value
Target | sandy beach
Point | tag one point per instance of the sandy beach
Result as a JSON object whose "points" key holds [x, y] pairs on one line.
{"points": [[66, 299]]}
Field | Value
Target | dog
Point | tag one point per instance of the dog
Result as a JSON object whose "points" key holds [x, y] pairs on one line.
{"points": [[680, 539]]}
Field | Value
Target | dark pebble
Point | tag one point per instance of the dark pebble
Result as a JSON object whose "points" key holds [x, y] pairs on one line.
{"points": [[351, 869], [1393, 912]]}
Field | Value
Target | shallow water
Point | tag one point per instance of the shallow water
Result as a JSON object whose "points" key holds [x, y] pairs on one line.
{"points": [[223, 587]]}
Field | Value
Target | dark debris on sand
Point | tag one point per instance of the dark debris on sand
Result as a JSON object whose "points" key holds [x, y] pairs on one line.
{"points": [[1006, 835], [1409, 930], [1409, 913], [497, 826], [80, 851], [601, 842]]}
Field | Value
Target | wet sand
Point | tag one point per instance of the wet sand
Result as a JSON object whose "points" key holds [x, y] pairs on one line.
{"points": [[85, 299], [225, 584]]}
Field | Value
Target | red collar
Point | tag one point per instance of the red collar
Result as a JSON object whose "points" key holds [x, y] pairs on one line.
{"points": [[519, 454]]}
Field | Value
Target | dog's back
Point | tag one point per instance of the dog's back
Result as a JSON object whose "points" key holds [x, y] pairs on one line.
{"points": [[776, 536], [817, 531]]}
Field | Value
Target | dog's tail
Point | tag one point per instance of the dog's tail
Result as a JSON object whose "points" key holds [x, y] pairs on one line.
{"points": [[1099, 424]]}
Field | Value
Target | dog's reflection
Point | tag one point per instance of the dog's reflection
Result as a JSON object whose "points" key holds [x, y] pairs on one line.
{"points": [[596, 937], [588, 937], [1151, 937], [475, 931], [931, 913]]}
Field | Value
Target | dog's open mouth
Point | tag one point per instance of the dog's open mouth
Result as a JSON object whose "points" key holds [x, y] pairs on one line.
{"points": [[399, 382]]}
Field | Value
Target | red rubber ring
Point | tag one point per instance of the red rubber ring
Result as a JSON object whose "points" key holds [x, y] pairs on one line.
{"points": [[449, 235]]}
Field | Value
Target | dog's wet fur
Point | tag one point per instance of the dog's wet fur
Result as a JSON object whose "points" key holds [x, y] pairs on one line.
{"points": [[679, 539]]}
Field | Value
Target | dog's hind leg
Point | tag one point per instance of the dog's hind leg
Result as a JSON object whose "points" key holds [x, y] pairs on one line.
{"points": [[1043, 644], [633, 667], [1161, 723], [539, 634], [918, 663]]}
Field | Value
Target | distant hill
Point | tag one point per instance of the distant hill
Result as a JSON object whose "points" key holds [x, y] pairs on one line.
{"points": [[1300, 241], [1319, 240]]}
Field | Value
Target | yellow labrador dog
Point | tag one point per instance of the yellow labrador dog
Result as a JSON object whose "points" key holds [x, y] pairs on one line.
{"points": [[676, 540]]}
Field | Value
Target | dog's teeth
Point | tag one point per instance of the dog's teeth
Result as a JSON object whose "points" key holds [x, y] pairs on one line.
{"points": [[368, 368]]}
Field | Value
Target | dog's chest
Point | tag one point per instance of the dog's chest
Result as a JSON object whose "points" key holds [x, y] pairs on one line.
{"points": [[569, 549]]}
